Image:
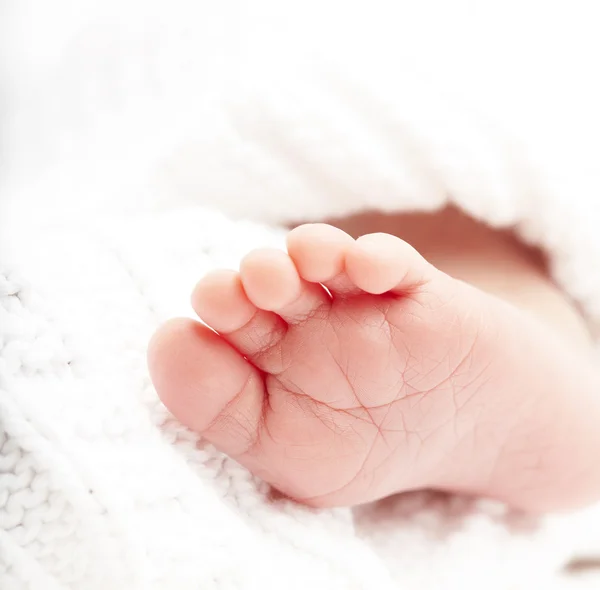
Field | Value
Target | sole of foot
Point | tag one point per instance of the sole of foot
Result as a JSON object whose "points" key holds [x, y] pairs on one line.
{"points": [[347, 370]]}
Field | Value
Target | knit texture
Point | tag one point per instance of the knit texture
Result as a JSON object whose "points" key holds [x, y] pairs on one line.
{"points": [[140, 137]]}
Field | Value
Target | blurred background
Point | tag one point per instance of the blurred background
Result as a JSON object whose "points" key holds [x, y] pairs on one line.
{"points": [[130, 104]]}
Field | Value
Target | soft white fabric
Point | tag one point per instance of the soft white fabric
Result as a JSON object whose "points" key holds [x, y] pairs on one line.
{"points": [[124, 121]]}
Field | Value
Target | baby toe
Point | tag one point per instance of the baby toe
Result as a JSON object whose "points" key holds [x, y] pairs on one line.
{"points": [[207, 385], [272, 282], [220, 301], [378, 263], [318, 251]]}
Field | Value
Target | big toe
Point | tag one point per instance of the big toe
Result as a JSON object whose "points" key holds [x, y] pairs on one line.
{"points": [[207, 384]]}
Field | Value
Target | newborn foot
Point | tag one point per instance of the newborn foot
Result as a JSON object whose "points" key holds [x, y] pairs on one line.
{"points": [[395, 377]]}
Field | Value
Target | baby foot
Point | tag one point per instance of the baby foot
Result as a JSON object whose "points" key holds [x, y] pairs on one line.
{"points": [[393, 377]]}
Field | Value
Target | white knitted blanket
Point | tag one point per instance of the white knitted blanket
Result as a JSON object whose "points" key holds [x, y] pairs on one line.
{"points": [[125, 122]]}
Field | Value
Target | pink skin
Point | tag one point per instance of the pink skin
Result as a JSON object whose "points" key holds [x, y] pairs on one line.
{"points": [[393, 377]]}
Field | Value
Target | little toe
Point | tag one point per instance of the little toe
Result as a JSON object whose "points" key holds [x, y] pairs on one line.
{"points": [[378, 263], [319, 251], [271, 281], [207, 385], [220, 301]]}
